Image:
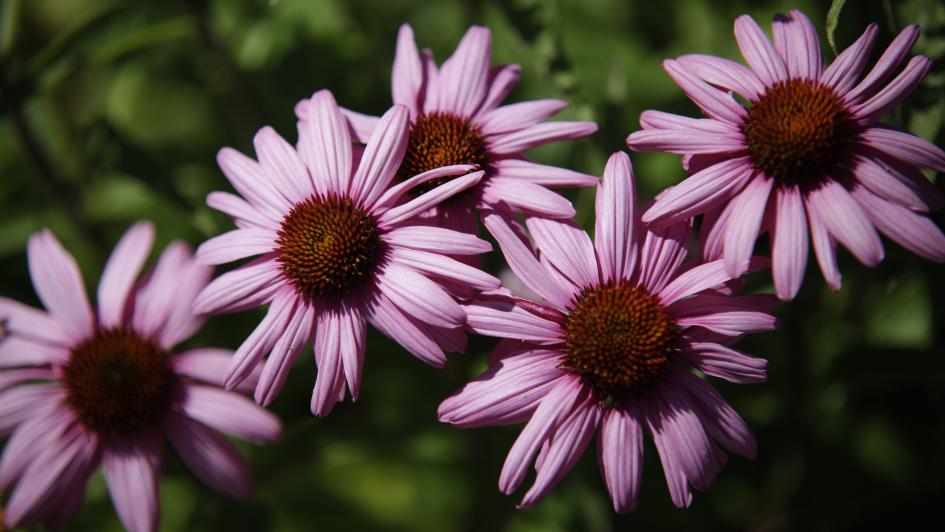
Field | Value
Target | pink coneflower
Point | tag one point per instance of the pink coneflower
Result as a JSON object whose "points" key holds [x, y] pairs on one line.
{"points": [[79, 388], [807, 151], [613, 346], [456, 118], [337, 250]]}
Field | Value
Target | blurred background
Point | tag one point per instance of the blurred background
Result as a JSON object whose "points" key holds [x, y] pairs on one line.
{"points": [[113, 111]]}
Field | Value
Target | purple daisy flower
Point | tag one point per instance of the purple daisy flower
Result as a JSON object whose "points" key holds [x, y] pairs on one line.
{"points": [[337, 250], [613, 347], [456, 117], [806, 154], [79, 388]]}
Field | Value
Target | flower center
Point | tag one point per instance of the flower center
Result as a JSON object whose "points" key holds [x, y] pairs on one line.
{"points": [[328, 246], [798, 132], [619, 338], [117, 381], [441, 139]]}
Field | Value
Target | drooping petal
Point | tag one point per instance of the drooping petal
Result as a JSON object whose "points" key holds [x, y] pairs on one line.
{"points": [[329, 383], [718, 417], [824, 247], [889, 183], [285, 352], [132, 467], [384, 315], [214, 460], [724, 362], [262, 339], [620, 450], [789, 242], [911, 230], [846, 221], [121, 271], [59, 285], [749, 211]]}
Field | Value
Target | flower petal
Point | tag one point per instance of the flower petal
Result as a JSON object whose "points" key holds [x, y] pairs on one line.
{"points": [[406, 79], [661, 255], [701, 192], [618, 221], [620, 450], [248, 286], [230, 413], [502, 79], [905, 146], [235, 245], [796, 40], [132, 467], [121, 271], [443, 268], [518, 115], [252, 181], [419, 297], [887, 62], [520, 140], [724, 73], [503, 318], [382, 156], [246, 359], [842, 74], [463, 81], [391, 321], [430, 199], [285, 352], [713, 102], [325, 144], [873, 109], [913, 231], [436, 240], [214, 460], [59, 285], [540, 174], [846, 221], [567, 247], [758, 51], [789, 242], [526, 197], [30, 323], [283, 164], [243, 213], [209, 364], [824, 247], [749, 211]]}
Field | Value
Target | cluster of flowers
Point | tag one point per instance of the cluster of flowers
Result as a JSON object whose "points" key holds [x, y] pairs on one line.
{"points": [[375, 220]]}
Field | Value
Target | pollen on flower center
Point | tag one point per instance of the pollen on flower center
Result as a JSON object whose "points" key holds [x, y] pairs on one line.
{"points": [[798, 132], [328, 245], [441, 139], [618, 338], [117, 381]]}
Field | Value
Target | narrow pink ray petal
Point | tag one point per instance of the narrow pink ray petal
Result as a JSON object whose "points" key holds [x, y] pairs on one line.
{"points": [[686, 141], [12, 377], [132, 467], [758, 51], [17, 404], [182, 323], [553, 410], [285, 352], [121, 271], [262, 339], [325, 144], [540, 174], [657, 423], [824, 247], [897, 90], [361, 125], [430, 199], [391, 196], [526, 197], [353, 336], [463, 81], [390, 320], [32, 324], [436, 240], [702, 277], [796, 40], [905, 146], [253, 182], [209, 364], [915, 232], [749, 211], [884, 181], [712, 101], [244, 215], [441, 267], [520, 115], [618, 221], [698, 455], [328, 347], [418, 296], [789, 242], [382, 156], [514, 142], [235, 245], [504, 319], [406, 78], [701, 192], [523, 262], [724, 73], [567, 247], [154, 302], [248, 286], [42, 429], [890, 60], [846, 221], [502, 79], [724, 362], [230, 413], [620, 452], [214, 460], [718, 417], [59, 285], [661, 255], [290, 177], [842, 74]]}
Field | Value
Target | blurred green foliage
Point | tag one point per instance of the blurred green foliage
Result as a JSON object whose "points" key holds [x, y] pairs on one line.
{"points": [[113, 111]]}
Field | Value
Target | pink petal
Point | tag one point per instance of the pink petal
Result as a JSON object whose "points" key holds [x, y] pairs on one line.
{"points": [[298, 331], [254, 183], [686, 141], [519, 115], [329, 383], [209, 364], [419, 297], [518, 141], [789, 243], [156, 299], [262, 339], [798, 45], [382, 156], [406, 78], [824, 247], [19, 403], [501, 81], [353, 336], [886, 181], [540, 174], [248, 286], [361, 126], [507, 393], [235, 245], [436, 240], [889, 61], [523, 196], [883, 101], [283, 164], [430, 199], [325, 144], [214, 460], [905, 146], [620, 451], [724, 362], [30, 323], [504, 319], [732, 321], [58, 283], [132, 468], [712, 101], [718, 417], [702, 277], [230, 413], [181, 322], [463, 80], [42, 429], [441, 267], [701, 192], [724, 73], [749, 211], [842, 74], [567, 247], [389, 198], [551, 412], [758, 51], [662, 253], [390, 320], [523, 262], [243, 214], [18, 351], [617, 224], [12, 377], [121, 271], [913, 231], [846, 221], [566, 446]]}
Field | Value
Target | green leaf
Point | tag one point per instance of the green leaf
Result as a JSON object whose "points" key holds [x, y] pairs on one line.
{"points": [[833, 16]]}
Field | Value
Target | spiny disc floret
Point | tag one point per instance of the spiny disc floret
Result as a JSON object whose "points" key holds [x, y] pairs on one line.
{"points": [[799, 132], [117, 381], [618, 338], [441, 139], [327, 246]]}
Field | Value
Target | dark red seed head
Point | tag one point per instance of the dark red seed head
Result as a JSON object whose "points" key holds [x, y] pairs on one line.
{"points": [[799, 132], [118, 381], [618, 338]]}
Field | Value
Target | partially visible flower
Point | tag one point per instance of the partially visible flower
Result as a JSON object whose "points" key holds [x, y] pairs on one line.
{"points": [[613, 346], [806, 155], [82, 387], [337, 250], [456, 117]]}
